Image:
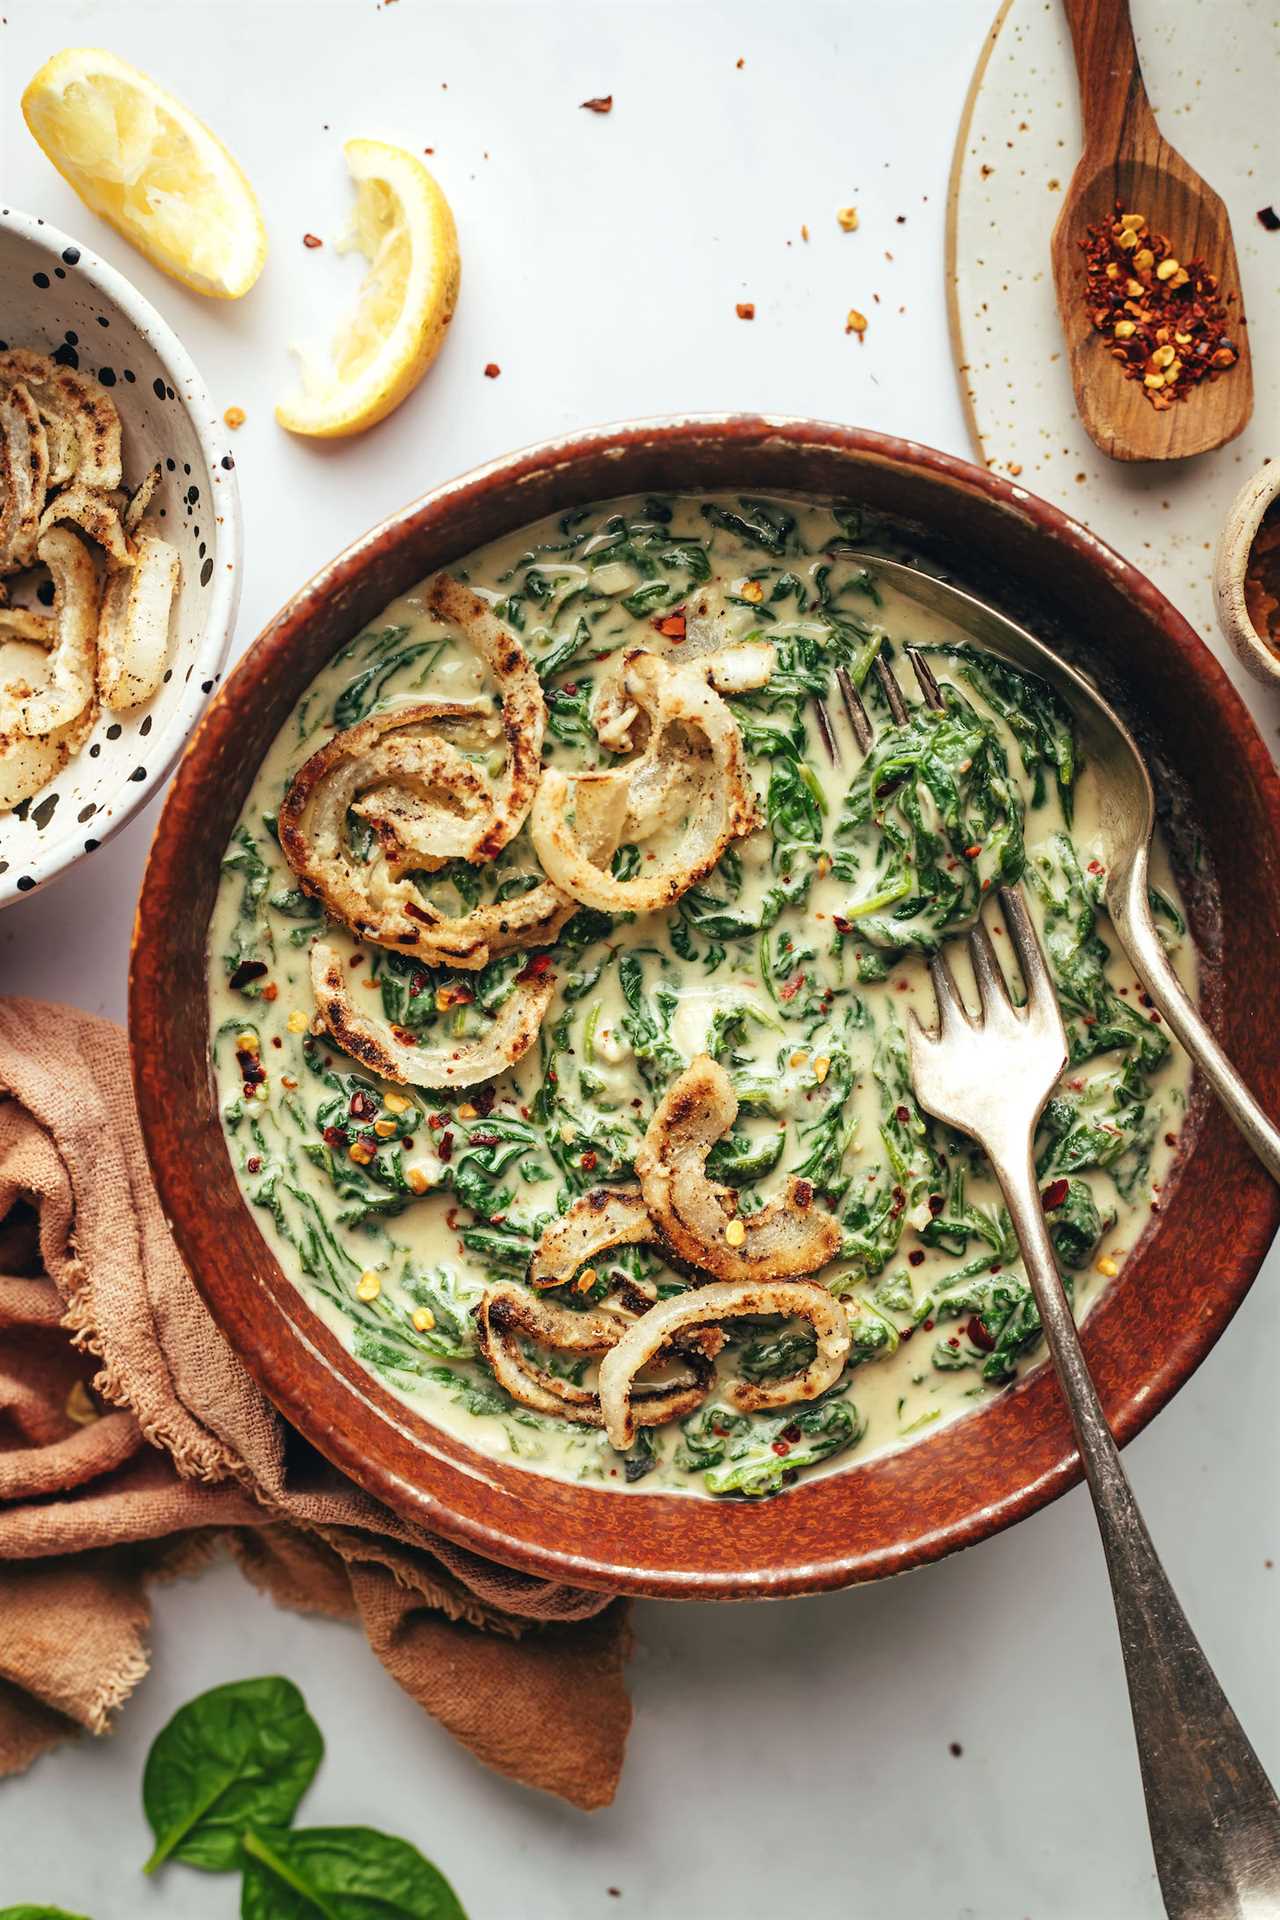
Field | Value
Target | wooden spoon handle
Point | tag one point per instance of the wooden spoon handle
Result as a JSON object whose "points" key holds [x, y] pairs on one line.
{"points": [[1113, 99]]}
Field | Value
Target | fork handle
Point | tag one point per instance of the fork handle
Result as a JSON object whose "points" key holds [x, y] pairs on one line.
{"points": [[1131, 916], [1213, 1814]]}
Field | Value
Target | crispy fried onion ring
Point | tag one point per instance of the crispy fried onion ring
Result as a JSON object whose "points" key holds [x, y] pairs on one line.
{"points": [[688, 791], [524, 713], [391, 1052], [58, 692], [27, 764], [596, 1221], [508, 1314], [789, 1236], [704, 1307], [697, 636], [133, 627], [80, 419], [24, 475], [413, 786], [98, 517]]}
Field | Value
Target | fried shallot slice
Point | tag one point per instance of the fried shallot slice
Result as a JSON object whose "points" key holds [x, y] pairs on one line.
{"points": [[392, 1051], [78, 414], [508, 1314], [98, 517], [133, 626], [426, 801], [687, 794], [27, 764], [698, 1219], [524, 712], [24, 475], [705, 1307], [597, 1221], [65, 686]]}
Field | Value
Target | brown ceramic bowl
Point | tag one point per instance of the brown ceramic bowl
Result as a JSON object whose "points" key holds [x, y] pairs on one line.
{"points": [[1143, 1338]]}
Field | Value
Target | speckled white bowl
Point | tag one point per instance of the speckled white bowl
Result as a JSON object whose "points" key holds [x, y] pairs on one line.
{"points": [[58, 297], [1230, 563]]}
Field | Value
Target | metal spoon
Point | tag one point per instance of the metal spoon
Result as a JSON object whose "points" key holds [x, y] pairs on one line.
{"points": [[1127, 817]]}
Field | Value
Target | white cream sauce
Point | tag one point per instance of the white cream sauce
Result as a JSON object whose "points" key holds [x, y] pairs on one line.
{"points": [[926, 1368]]}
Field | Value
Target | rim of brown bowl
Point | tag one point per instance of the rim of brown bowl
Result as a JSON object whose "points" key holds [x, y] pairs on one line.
{"points": [[1144, 1336]]}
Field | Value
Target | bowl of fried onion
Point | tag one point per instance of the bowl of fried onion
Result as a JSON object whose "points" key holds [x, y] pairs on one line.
{"points": [[119, 551]]}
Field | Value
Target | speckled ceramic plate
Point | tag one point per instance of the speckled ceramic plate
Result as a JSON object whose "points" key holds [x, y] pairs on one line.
{"points": [[59, 298]]}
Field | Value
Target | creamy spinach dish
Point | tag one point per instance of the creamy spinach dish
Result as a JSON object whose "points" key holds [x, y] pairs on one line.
{"points": [[558, 978]]}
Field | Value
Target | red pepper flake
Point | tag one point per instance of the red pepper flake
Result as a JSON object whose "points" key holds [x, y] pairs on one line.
{"points": [[491, 370], [781, 1448], [902, 1115], [1054, 1195], [435, 1121], [418, 984], [971, 853], [1171, 1139], [1164, 319], [312, 240], [746, 309], [253, 1164], [1269, 218], [588, 1162], [479, 1139], [842, 925], [404, 1036], [792, 988], [915, 1258], [671, 625], [362, 1106], [977, 1332], [928, 1326], [954, 1340], [444, 1146], [602, 103], [335, 1136], [936, 1204], [906, 1333], [537, 967]]}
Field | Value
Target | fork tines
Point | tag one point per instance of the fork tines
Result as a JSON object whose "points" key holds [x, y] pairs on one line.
{"points": [[859, 719]]}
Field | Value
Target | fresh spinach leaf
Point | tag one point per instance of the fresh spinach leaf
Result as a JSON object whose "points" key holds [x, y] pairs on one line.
{"points": [[341, 1873], [237, 1756]]}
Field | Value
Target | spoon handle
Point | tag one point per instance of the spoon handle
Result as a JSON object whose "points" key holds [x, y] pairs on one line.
{"points": [[1113, 99], [1131, 917], [1213, 1814]]}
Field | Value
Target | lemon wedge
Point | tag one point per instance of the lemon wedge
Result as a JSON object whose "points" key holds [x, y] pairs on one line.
{"points": [[136, 156], [404, 228]]}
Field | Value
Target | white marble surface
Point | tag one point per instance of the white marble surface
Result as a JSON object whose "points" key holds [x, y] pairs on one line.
{"points": [[785, 1759]]}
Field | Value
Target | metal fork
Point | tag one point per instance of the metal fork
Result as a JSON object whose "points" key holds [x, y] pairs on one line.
{"points": [[1214, 1819]]}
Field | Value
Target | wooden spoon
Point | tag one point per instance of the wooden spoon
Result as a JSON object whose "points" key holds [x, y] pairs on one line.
{"points": [[1126, 159]]}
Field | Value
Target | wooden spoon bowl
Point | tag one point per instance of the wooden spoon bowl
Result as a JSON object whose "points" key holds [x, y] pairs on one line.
{"points": [[1127, 162]]}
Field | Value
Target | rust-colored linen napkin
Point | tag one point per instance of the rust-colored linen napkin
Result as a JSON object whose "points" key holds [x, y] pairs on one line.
{"points": [[133, 1444]]}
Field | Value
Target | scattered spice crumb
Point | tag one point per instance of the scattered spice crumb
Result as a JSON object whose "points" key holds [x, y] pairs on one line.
{"points": [[804, 234], [428, 149], [312, 240], [986, 171], [740, 63], [602, 103], [492, 370], [234, 417], [901, 219], [746, 309], [847, 219], [1269, 218], [1055, 186], [1015, 468], [955, 1749], [856, 323]]}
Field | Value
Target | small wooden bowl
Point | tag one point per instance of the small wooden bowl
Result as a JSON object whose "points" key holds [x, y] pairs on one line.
{"points": [[1229, 567], [1143, 1338]]}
